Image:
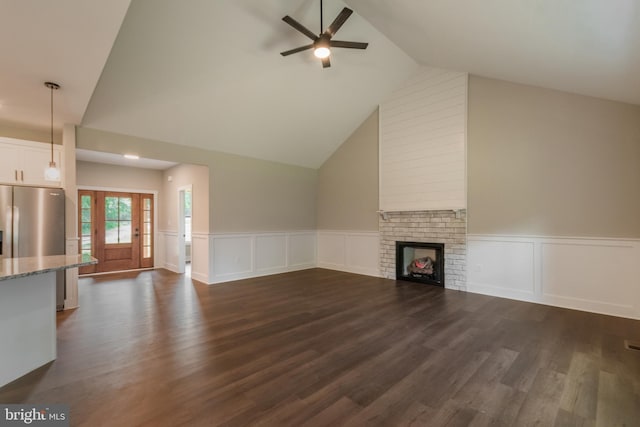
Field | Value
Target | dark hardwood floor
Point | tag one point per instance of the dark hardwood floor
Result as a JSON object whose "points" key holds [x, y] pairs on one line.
{"points": [[321, 348]]}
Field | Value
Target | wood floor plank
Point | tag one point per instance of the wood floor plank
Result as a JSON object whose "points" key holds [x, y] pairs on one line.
{"points": [[319, 347], [541, 404], [569, 419], [580, 395], [618, 403], [333, 415]]}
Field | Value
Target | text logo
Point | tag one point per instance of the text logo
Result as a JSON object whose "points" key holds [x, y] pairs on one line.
{"points": [[34, 415]]}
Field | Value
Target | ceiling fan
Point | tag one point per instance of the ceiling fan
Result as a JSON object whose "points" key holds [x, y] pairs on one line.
{"points": [[323, 42]]}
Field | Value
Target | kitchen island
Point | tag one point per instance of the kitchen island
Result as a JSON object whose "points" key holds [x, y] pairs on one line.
{"points": [[28, 311]]}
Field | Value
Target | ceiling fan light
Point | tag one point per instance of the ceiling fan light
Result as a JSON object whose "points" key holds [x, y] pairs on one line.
{"points": [[322, 52]]}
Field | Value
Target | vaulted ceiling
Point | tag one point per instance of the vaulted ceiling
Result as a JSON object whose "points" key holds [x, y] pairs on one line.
{"points": [[208, 73]]}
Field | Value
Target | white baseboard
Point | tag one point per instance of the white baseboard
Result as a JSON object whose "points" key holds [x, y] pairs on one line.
{"points": [[596, 275], [171, 267]]}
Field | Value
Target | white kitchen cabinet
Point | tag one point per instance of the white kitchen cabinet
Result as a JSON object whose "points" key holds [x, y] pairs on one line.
{"points": [[23, 162]]}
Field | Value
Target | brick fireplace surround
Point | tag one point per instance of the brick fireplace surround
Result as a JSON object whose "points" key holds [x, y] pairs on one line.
{"points": [[445, 226]]}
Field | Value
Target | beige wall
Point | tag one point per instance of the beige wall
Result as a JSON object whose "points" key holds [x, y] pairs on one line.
{"points": [[113, 176], [543, 162], [29, 133], [348, 182], [245, 194], [181, 176]]}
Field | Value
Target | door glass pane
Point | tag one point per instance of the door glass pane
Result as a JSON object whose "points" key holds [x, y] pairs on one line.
{"points": [[111, 231], [111, 208], [117, 213], [85, 202], [147, 236], [124, 232], [124, 207], [86, 229], [86, 226]]}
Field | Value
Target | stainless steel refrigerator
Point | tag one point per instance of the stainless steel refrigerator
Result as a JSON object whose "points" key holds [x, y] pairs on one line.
{"points": [[32, 224]]}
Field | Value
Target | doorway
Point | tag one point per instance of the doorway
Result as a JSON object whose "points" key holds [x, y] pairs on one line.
{"points": [[185, 210], [117, 228]]}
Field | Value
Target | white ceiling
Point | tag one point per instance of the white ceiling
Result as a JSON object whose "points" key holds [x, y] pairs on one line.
{"points": [[120, 160], [64, 41], [590, 47], [208, 73]]}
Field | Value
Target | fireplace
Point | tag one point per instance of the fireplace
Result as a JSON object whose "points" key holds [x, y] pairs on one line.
{"points": [[420, 262], [443, 226]]}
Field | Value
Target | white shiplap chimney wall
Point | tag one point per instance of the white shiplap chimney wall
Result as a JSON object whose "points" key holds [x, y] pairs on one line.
{"points": [[423, 143]]}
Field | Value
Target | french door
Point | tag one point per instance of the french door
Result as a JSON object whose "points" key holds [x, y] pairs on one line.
{"points": [[117, 229]]}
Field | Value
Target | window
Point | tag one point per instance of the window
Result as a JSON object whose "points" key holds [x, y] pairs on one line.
{"points": [[117, 214], [86, 235], [147, 228]]}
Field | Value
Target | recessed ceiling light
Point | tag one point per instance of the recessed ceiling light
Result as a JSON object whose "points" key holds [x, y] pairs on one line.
{"points": [[131, 156]]}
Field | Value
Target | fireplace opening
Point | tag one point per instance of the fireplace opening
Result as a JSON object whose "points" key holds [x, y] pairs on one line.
{"points": [[420, 262]]}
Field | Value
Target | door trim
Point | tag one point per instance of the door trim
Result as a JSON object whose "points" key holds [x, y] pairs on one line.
{"points": [[133, 190]]}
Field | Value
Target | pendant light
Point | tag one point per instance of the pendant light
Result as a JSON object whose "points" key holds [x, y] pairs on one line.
{"points": [[52, 173]]}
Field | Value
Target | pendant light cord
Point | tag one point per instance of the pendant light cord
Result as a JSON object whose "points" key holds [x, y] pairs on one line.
{"points": [[52, 86], [51, 123], [321, 25]]}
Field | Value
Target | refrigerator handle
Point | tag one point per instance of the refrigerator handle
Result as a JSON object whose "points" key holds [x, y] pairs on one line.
{"points": [[16, 232], [8, 235]]}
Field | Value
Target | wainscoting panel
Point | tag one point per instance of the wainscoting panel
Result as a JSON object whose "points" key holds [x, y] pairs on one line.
{"points": [[597, 275], [503, 268], [272, 252], [232, 255], [351, 251], [159, 249], [601, 275], [243, 255], [71, 276], [200, 257], [302, 250], [332, 250], [170, 250]]}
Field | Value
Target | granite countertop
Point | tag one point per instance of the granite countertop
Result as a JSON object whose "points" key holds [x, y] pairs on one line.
{"points": [[12, 268]]}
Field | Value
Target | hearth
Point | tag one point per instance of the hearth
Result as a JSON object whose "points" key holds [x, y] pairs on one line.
{"points": [[420, 262]]}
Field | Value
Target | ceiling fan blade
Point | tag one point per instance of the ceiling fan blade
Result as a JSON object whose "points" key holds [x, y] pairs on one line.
{"points": [[298, 26], [337, 23], [326, 62], [296, 50], [348, 45]]}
